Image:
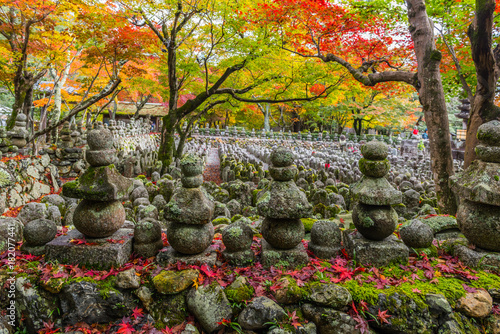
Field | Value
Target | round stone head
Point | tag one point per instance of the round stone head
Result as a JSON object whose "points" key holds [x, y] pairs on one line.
{"points": [[282, 157], [375, 150], [100, 139], [191, 165], [488, 149]]}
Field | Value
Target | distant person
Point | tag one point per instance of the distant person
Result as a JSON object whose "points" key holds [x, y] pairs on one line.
{"points": [[425, 135]]}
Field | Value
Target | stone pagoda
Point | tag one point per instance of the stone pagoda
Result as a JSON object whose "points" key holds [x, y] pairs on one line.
{"points": [[374, 218], [282, 205], [478, 188], [100, 215], [464, 112], [189, 211], [19, 134]]}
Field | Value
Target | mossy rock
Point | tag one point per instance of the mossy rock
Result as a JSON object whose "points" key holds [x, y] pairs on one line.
{"points": [[169, 310], [221, 221], [332, 189], [239, 291], [441, 223], [308, 224], [172, 282], [236, 217], [141, 178]]}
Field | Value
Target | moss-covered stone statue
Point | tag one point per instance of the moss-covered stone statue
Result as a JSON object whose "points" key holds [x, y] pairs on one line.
{"points": [[189, 212], [283, 204], [100, 215], [102, 188], [374, 243], [478, 189], [373, 215]]}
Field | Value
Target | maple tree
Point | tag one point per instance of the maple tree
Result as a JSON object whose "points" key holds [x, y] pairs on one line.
{"points": [[206, 46], [78, 46], [105, 55], [23, 26], [367, 38]]}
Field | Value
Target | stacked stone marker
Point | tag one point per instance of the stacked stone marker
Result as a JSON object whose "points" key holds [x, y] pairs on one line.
{"points": [[478, 188], [19, 134], [100, 214], [189, 212], [283, 205], [373, 215]]}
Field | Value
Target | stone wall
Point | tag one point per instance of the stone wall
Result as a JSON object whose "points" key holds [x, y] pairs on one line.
{"points": [[26, 179]]}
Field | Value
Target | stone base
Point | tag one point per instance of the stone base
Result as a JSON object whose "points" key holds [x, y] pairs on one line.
{"points": [[168, 255], [294, 257], [33, 250], [375, 253], [240, 259], [102, 255], [477, 258], [324, 252]]}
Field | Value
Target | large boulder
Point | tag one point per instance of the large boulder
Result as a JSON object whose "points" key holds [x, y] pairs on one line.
{"points": [[210, 306], [32, 211], [259, 313]]}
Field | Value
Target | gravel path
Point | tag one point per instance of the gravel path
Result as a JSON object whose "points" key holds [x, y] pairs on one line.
{"points": [[212, 168]]}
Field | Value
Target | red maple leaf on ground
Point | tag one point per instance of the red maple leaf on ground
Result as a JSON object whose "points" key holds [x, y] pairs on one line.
{"points": [[48, 328], [383, 316], [137, 313], [125, 327]]}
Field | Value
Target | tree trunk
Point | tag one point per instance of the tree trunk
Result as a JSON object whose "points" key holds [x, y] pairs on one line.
{"points": [[167, 141], [358, 126], [265, 111], [113, 109], [21, 94], [431, 96], [487, 62]]}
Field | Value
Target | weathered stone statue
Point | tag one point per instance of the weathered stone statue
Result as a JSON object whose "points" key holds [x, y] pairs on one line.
{"points": [[325, 239], [478, 188], [190, 212], [5, 143], [65, 137], [237, 238], [100, 214], [283, 205], [373, 215], [102, 188], [19, 134]]}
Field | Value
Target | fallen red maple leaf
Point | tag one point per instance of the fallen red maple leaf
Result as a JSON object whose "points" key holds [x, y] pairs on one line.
{"points": [[137, 313], [125, 327], [383, 316]]}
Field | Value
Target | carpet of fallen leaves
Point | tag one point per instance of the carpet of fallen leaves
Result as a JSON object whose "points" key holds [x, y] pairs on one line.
{"points": [[17, 157], [264, 281], [212, 168]]}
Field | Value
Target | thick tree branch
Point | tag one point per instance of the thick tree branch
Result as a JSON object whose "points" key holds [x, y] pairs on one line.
{"points": [[373, 78], [107, 90]]}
